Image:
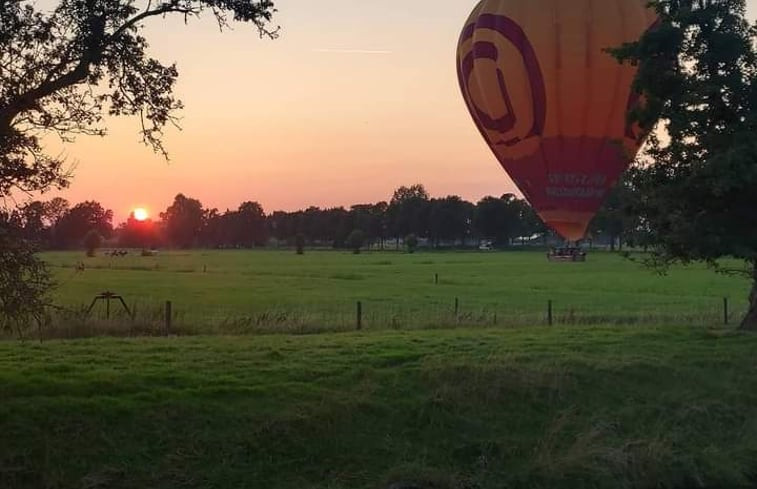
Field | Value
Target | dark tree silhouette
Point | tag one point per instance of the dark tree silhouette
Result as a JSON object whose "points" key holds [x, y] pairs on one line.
{"points": [[411, 241], [299, 242], [92, 241], [698, 75], [408, 211], [618, 219], [450, 219], [64, 67], [243, 228], [356, 240], [25, 282], [499, 219], [70, 230], [183, 221], [138, 234]]}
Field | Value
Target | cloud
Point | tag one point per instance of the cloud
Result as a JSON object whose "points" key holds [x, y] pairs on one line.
{"points": [[352, 51]]}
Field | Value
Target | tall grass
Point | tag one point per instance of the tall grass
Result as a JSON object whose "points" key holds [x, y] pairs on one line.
{"points": [[150, 320]]}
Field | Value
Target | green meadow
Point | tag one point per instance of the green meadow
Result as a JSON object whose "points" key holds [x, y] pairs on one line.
{"points": [[268, 291], [563, 407], [637, 385]]}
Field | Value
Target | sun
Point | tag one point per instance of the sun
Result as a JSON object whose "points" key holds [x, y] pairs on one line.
{"points": [[140, 214]]}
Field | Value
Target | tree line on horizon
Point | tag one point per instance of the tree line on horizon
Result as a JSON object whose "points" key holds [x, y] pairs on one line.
{"points": [[410, 215]]}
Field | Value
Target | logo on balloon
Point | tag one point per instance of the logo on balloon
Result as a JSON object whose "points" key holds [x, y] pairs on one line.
{"points": [[506, 127]]}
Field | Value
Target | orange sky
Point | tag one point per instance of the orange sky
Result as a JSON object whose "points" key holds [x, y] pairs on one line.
{"points": [[353, 100]]}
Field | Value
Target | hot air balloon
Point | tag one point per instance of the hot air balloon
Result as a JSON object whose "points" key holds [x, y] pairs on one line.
{"points": [[550, 102]]}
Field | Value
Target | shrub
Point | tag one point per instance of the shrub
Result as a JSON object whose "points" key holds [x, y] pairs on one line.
{"points": [[299, 242], [25, 284], [356, 240], [92, 241], [411, 241]]}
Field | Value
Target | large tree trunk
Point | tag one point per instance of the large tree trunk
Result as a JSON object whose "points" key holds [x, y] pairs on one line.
{"points": [[750, 320]]}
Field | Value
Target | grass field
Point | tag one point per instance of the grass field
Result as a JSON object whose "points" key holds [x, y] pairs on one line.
{"points": [[564, 407], [666, 405], [253, 291]]}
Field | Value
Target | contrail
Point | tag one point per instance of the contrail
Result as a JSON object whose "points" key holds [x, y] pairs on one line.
{"points": [[352, 51]]}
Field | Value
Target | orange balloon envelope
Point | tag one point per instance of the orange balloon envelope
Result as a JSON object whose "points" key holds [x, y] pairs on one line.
{"points": [[550, 102]]}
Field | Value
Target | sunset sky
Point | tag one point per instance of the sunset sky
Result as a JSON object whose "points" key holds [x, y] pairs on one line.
{"points": [[354, 99]]}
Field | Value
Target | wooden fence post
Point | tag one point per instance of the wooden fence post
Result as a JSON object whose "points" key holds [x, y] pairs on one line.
{"points": [[725, 310], [359, 315], [549, 313], [169, 317]]}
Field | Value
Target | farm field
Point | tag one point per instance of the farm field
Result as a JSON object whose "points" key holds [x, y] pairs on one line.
{"points": [[245, 291], [599, 407]]}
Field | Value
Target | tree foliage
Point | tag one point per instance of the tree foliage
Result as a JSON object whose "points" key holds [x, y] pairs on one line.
{"points": [[356, 240], [138, 234], [72, 227], [92, 241], [698, 75], [24, 282], [618, 218], [411, 242], [448, 222], [183, 221], [408, 210], [502, 219], [62, 70]]}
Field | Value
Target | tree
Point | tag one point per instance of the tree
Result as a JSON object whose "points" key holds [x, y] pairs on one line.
{"points": [[243, 228], [530, 222], [183, 221], [411, 241], [698, 76], [64, 67], [138, 234], [92, 241], [356, 240], [34, 214], [408, 211], [370, 218], [79, 220], [499, 219], [251, 225], [55, 209], [618, 218], [299, 242], [24, 281], [449, 219], [283, 225]]}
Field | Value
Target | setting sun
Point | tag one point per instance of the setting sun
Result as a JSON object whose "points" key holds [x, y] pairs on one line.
{"points": [[140, 214]]}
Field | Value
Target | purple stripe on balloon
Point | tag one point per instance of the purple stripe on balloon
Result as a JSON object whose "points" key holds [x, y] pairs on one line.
{"points": [[485, 50], [468, 31], [515, 34]]}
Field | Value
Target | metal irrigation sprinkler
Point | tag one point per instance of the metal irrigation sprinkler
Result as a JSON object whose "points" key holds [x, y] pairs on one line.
{"points": [[107, 296]]}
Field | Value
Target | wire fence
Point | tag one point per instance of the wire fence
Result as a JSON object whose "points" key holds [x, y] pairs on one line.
{"points": [[111, 316]]}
